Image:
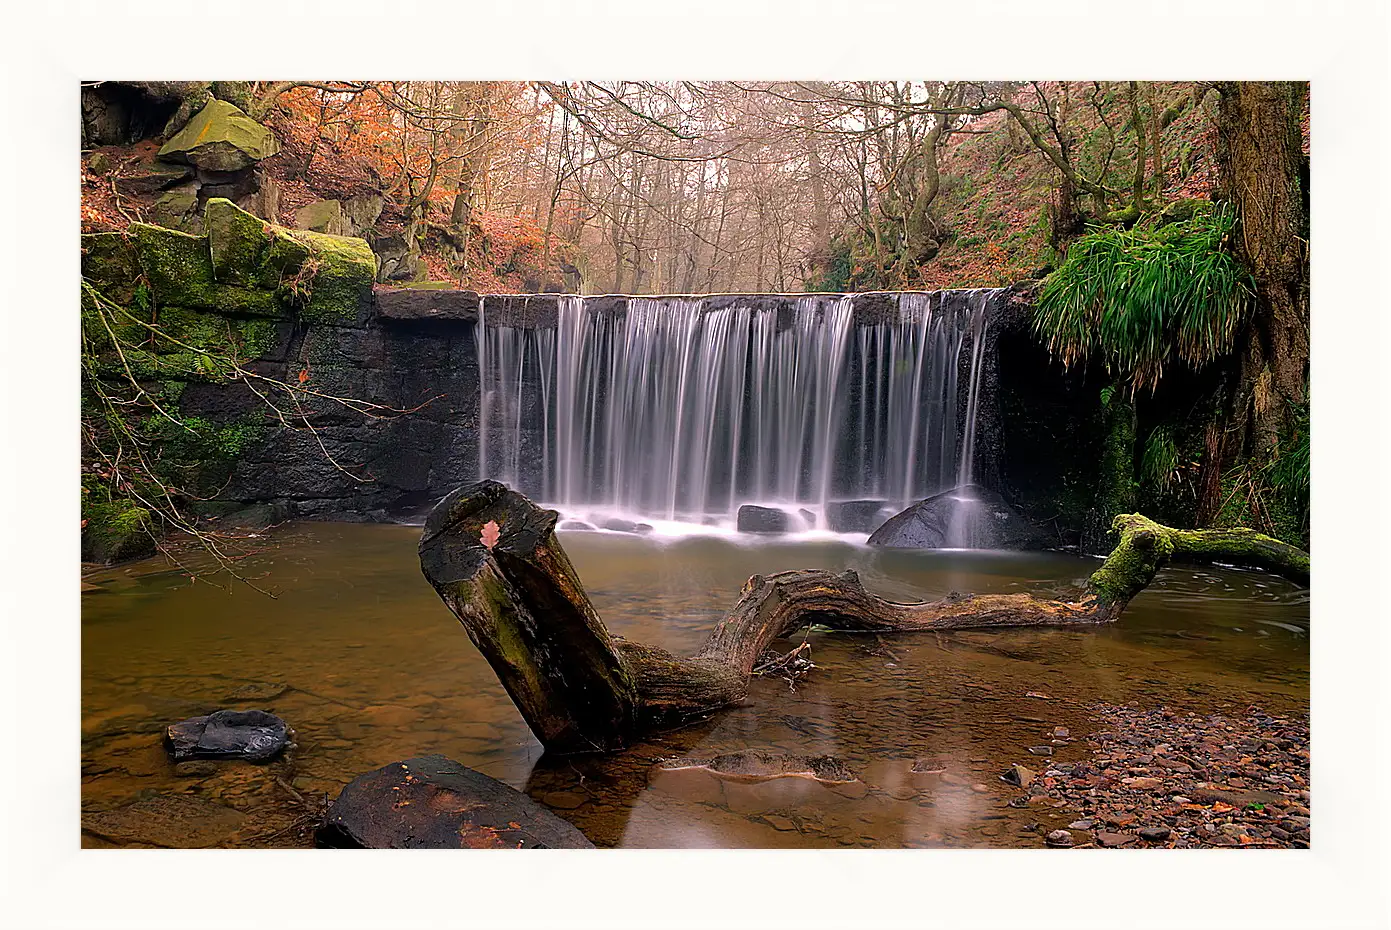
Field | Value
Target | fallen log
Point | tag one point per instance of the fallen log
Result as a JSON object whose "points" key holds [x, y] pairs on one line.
{"points": [[493, 557]]}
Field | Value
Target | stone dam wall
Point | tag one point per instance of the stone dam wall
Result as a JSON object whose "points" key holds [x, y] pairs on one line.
{"points": [[304, 309]]}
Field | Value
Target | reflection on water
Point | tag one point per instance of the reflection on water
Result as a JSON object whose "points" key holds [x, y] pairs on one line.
{"points": [[376, 669]]}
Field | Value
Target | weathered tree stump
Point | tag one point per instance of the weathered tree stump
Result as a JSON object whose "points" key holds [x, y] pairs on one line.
{"points": [[582, 689]]}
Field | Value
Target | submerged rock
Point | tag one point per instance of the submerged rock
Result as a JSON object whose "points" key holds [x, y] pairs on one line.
{"points": [[249, 735], [968, 517], [864, 516], [753, 765], [166, 820], [431, 802]]}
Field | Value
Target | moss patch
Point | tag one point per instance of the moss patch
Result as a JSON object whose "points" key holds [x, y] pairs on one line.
{"points": [[111, 265], [116, 531], [180, 270], [337, 275]]}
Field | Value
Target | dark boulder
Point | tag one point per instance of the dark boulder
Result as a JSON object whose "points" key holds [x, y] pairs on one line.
{"points": [[430, 802], [249, 735], [619, 525], [856, 516], [968, 517], [413, 303], [755, 519]]}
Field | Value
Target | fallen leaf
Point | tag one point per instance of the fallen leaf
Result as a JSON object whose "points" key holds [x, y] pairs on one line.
{"points": [[490, 534], [303, 375]]}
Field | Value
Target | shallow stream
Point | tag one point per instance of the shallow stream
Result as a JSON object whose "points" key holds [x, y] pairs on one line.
{"points": [[362, 659]]}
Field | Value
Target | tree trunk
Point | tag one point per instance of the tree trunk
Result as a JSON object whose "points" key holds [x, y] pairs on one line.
{"points": [[1261, 160], [582, 689]]}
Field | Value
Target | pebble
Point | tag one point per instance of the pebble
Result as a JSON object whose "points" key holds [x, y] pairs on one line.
{"points": [[1080, 825], [1154, 834], [1059, 839], [1041, 750]]}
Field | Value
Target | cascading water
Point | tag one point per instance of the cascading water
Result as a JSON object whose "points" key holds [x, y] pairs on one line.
{"points": [[684, 408]]}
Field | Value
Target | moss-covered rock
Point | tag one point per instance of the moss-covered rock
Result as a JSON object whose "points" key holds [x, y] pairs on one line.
{"points": [[180, 270], [337, 278], [183, 345], [178, 266], [116, 531], [237, 241], [221, 138], [110, 264]]}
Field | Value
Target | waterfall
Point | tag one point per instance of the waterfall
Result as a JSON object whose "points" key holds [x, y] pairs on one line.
{"points": [[684, 408]]}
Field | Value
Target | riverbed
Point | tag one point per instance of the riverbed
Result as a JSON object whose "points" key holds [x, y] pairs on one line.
{"points": [[356, 652]]}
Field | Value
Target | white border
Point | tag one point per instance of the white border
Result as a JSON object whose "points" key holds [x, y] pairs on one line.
{"points": [[49, 882]]}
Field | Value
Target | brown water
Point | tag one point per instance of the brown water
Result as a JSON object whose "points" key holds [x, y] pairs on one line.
{"points": [[376, 669]]}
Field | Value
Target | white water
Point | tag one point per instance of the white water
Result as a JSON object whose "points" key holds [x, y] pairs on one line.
{"points": [[675, 413]]}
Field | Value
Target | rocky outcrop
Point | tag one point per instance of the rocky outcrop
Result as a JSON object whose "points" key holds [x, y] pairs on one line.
{"points": [[220, 137], [430, 802], [968, 517]]}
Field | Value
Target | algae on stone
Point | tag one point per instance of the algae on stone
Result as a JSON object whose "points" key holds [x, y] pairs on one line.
{"points": [[220, 137], [110, 264], [237, 241], [116, 531]]}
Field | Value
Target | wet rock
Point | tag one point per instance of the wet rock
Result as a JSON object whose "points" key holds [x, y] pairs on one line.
{"points": [[250, 735], [1154, 834], [1145, 783], [755, 519], [166, 820], [1114, 839], [753, 765], [1080, 825], [1041, 750], [1061, 732], [863, 516], [1059, 839], [195, 769], [1018, 776], [430, 802], [619, 525], [969, 516], [576, 525]]}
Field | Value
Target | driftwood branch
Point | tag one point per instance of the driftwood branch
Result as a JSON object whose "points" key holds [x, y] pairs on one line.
{"points": [[582, 689]]}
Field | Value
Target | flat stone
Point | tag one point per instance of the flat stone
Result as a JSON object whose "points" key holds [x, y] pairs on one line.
{"points": [[1041, 750], [410, 303], [1059, 839], [1080, 825], [752, 766], [1144, 783], [251, 735], [1018, 775], [430, 802], [1115, 839], [1154, 834]]}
